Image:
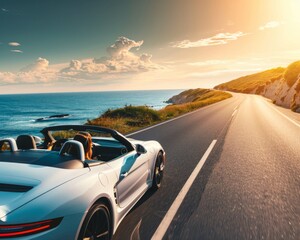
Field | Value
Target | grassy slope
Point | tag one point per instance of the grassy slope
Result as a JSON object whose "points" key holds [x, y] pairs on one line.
{"points": [[291, 73], [257, 81], [248, 83], [131, 118]]}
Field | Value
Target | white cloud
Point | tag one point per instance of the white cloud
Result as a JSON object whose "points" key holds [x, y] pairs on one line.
{"points": [[122, 46], [16, 51], [7, 78], [120, 60], [41, 64], [271, 24], [120, 63], [14, 44], [218, 39], [37, 72], [75, 65]]}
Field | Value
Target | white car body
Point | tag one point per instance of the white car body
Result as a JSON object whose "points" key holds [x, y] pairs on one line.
{"points": [[68, 194]]}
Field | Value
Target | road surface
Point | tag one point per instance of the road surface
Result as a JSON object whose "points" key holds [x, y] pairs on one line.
{"points": [[248, 185]]}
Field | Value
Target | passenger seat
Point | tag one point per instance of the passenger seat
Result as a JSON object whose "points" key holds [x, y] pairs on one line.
{"points": [[25, 142]]}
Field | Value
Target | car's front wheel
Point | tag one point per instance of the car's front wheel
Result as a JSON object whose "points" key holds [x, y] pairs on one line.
{"points": [[97, 223], [158, 171]]}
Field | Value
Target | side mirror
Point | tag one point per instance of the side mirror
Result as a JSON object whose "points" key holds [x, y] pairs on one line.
{"points": [[140, 149]]}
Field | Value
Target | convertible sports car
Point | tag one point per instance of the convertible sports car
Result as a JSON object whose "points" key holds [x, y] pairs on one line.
{"points": [[76, 182]]}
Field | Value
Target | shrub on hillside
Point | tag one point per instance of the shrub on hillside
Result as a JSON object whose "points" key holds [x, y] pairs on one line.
{"points": [[292, 72], [142, 114]]}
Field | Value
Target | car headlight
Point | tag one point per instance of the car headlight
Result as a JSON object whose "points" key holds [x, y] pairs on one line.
{"points": [[18, 230]]}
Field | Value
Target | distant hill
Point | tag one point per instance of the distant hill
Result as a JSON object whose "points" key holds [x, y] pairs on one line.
{"points": [[195, 95], [282, 85]]}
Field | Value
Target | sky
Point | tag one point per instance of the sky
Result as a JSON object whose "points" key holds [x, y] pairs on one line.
{"points": [[107, 45]]}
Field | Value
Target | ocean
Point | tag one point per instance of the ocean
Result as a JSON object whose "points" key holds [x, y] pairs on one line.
{"points": [[20, 112]]}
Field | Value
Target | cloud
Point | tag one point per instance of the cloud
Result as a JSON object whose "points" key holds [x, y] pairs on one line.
{"points": [[7, 78], [41, 64], [271, 24], [16, 51], [218, 39], [120, 60], [122, 46], [4, 10], [38, 72], [14, 44]]}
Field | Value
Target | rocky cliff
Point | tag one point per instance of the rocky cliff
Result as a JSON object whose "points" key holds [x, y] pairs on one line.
{"points": [[281, 85]]}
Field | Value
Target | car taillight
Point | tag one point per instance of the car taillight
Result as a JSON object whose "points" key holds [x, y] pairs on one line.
{"points": [[18, 230]]}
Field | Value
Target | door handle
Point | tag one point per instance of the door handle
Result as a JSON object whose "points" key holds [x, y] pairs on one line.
{"points": [[124, 174]]}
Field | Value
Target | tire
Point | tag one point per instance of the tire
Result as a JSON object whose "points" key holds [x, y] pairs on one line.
{"points": [[158, 172], [97, 224]]}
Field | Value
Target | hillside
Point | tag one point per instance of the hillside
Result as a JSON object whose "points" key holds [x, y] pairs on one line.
{"points": [[281, 85], [194, 95]]}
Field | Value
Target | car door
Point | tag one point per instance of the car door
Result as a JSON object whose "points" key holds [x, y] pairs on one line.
{"points": [[132, 171]]}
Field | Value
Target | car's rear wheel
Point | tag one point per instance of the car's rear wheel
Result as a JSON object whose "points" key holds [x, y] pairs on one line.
{"points": [[97, 224], [158, 171]]}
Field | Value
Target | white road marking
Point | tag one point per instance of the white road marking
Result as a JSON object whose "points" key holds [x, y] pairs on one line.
{"points": [[235, 111], [135, 235], [288, 118], [267, 100], [173, 119], [165, 223]]}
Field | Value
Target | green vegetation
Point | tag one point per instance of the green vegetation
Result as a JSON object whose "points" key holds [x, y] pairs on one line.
{"points": [[291, 73], [131, 118], [64, 134], [251, 82], [258, 81], [281, 85]]}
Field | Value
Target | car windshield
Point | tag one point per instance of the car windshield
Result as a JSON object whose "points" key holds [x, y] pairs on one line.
{"points": [[70, 134]]}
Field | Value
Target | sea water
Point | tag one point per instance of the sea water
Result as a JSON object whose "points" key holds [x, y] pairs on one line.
{"points": [[19, 112]]}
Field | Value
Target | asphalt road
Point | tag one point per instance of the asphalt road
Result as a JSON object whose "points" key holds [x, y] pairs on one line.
{"points": [[248, 187]]}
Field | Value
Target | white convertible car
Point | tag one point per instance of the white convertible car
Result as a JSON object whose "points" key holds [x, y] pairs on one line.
{"points": [[79, 182]]}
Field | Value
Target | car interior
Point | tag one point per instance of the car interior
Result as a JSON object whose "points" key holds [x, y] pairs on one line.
{"points": [[64, 148]]}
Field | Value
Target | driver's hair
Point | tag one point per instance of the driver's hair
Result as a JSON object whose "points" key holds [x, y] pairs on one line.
{"points": [[86, 139]]}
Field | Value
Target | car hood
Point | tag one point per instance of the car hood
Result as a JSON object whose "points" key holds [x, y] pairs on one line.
{"points": [[21, 183]]}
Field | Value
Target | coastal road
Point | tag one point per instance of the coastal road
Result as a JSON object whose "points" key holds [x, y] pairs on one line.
{"points": [[238, 161]]}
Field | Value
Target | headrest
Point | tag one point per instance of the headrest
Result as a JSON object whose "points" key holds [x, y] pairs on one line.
{"points": [[8, 144], [74, 148], [25, 142]]}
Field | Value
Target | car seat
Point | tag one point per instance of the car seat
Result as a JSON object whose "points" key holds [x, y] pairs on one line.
{"points": [[25, 142]]}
